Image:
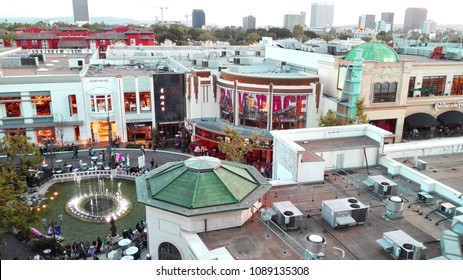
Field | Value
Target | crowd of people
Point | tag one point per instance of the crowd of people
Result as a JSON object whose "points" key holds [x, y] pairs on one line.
{"points": [[98, 247]]}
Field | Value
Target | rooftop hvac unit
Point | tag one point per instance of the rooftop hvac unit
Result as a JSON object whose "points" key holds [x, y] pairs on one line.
{"points": [[421, 165], [288, 216], [401, 246], [381, 186], [344, 212], [395, 207], [425, 198], [447, 209]]}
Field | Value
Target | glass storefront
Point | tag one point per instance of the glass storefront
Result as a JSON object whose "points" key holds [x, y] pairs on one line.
{"points": [[100, 131], [139, 131], [288, 111]]}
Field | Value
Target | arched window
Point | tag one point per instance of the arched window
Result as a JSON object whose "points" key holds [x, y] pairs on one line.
{"points": [[385, 92], [168, 251]]}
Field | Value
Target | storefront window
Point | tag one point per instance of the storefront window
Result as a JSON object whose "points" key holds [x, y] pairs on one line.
{"points": [[385, 92], [457, 86], [226, 104], [12, 106], [73, 104], [411, 86], [42, 105], [145, 101], [101, 103], [130, 103], [45, 135], [435, 85]]}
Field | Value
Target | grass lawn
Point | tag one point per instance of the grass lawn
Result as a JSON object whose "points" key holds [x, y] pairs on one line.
{"points": [[76, 230]]}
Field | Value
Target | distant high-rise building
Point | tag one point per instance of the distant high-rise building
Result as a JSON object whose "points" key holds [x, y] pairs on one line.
{"points": [[428, 27], [80, 9], [383, 26], [414, 17], [367, 21], [293, 19], [388, 18], [198, 18], [321, 15], [249, 22]]}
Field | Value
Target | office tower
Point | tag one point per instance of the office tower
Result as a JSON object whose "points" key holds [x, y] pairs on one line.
{"points": [[367, 22], [428, 27], [414, 17], [198, 18], [80, 9], [321, 15], [293, 19], [249, 22], [388, 18]]}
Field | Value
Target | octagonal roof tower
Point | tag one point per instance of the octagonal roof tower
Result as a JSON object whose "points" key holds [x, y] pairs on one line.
{"points": [[201, 185]]}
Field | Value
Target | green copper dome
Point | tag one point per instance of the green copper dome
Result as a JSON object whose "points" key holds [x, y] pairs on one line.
{"points": [[374, 51], [202, 182]]}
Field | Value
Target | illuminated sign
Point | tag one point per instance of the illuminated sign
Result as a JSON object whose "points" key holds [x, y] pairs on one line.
{"points": [[443, 105]]}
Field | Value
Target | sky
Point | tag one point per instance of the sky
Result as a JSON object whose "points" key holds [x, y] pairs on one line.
{"points": [[227, 13]]}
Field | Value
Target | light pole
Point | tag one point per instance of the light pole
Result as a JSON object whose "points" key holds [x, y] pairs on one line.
{"points": [[110, 139]]}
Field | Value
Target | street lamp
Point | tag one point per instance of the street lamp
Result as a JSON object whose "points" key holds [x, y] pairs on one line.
{"points": [[110, 139]]}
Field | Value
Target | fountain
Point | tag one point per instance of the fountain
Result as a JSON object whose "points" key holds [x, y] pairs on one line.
{"points": [[98, 204]]}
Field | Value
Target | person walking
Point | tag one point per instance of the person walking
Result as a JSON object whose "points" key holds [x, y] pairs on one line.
{"points": [[76, 152], [152, 163]]}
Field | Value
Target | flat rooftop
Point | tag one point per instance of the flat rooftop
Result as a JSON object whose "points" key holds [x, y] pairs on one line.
{"points": [[255, 241]]}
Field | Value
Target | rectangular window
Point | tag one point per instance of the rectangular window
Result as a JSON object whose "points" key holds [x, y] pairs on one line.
{"points": [[385, 92], [42, 105], [34, 42], [72, 105], [457, 86], [12, 106], [145, 102], [130, 102], [411, 86], [434, 85]]}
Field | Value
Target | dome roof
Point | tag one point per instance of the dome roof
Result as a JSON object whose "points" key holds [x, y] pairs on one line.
{"points": [[374, 51], [202, 182]]}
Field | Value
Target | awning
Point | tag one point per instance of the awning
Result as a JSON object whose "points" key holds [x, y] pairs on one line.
{"points": [[345, 221], [421, 120], [451, 117]]}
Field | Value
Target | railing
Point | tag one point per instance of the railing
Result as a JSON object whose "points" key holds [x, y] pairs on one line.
{"points": [[92, 173]]}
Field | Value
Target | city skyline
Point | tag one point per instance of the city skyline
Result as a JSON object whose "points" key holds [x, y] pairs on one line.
{"points": [[345, 13]]}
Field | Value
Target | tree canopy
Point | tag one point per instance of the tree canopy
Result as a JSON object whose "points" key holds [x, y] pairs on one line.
{"points": [[21, 157], [234, 146]]}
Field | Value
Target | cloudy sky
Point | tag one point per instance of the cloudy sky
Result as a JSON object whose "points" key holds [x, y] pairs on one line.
{"points": [[225, 13]]}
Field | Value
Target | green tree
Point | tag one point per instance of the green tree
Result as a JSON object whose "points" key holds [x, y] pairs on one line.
{"points": [[234, 146], [330, 119], [252, 37], [21, 156], [298, 31], [360, 114], [9, 38]]}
